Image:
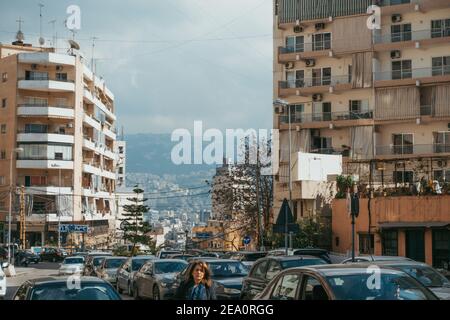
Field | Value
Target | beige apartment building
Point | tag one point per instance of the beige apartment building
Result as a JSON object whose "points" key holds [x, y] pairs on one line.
{"points": [[60, 116], [380, 98]]}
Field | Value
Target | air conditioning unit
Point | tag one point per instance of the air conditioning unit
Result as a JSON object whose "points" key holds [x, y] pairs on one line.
{"points": [[310, 62], [289, 65], [279, 109], [298, 29], [34, 66], [396, 54], [59, 68], [442, 163], [69, 125], [396, 18], [317, 97], [320, 26]]}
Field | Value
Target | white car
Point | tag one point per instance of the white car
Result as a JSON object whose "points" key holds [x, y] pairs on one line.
{"points": [[3, 281], [71, 265]]}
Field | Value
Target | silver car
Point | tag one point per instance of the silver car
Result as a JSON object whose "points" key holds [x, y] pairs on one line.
{"points": [[108, 269], [125, 274], [71, 265]]}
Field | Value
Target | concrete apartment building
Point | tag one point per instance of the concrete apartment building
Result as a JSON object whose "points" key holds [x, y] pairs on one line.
{"points": [[61, 115], [380, 98]]}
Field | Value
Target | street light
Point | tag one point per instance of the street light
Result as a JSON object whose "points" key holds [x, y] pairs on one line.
{"points": [[284, 103], [59, 204], [16, 150]]}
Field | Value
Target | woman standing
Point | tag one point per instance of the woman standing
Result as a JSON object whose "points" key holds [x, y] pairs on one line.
{"points": [[197, 284]]}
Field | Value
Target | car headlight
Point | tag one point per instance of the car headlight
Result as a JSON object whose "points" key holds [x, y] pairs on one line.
{"points": [[165, 284], [231, 291]]}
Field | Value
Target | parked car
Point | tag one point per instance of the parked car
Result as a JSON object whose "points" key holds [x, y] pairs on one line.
{"points": [[317, 252], [344, 282], [126, 272], [26, 257], [246, 257], [92, 264], [155, 279], [228, 275], [266, 269], [108, 269], [52, 254], [71, 265], [216, 255], [425, 274], [164, 254], [4, 265], [51, 288], [369, 258], [81, 254], [184, 257]]}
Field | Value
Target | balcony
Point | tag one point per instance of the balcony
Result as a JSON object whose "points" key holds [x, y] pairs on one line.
{"points": [[405, 151], [304, 51], [45, 137], [37, 110], [43, 163], [331, 151], [94, 168], [314, 85], [408, 39], [411, 76], [323, 119], [91, 121], [94, 100], [46, 85], [46, 58], [389, 7]]}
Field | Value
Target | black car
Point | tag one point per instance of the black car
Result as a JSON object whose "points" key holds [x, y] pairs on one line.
{"points": [[264, 270], [52, 254], [320, 253], [25, 257], [227, 273], [88, 288], [246, 257]]}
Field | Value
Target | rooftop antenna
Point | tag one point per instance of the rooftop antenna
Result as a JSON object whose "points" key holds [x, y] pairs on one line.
{"points": [[122, 135], [92, 59], [55, 35], [41, 39], [19, 36]]}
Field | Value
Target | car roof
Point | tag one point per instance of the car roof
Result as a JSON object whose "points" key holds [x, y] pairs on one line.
{"points": [[46, 280], [400, 262], [115, 257], [149, 256], [73, 257], [330, 269], [168, 260], [289, 258], [216, 260]]}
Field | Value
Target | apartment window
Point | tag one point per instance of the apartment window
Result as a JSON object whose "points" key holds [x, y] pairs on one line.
{"points": [[441, 141], [35, 101], [4, 103], [403, 177], [358, 109], [295, 44], [35, 181], [2, 154], [350, 71], [295, 79], [401, 32], [35, 75], [389, 243], [59, 156], [3, 129], [4, 76], [120, 170], [440, 66], [321, 77], [401, 69], [2, 180], [39, 206], [322, 111], [441, 247], [321, 41], [403, 143], [36, 128], [366, 243], [2, 205], [61, 102], [322, 144], [61, 76], [121, 150], [440, 28], [441, 175]]}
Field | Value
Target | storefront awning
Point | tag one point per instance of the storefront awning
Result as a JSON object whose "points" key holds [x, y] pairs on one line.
{"points": [[419, 224]]}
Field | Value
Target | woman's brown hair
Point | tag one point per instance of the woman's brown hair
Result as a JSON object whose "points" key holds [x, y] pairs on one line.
{"points": [[206, 281]]}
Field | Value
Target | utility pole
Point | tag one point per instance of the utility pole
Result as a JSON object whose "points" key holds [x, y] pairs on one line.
{"points": [[354, 212], [22, 218], [260, 226]]}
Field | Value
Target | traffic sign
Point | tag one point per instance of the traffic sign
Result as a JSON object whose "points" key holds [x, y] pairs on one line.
{"points": [[247, 240], [73, 228]]}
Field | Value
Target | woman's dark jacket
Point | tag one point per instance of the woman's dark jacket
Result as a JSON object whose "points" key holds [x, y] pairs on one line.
{"points": [[183, 289]]}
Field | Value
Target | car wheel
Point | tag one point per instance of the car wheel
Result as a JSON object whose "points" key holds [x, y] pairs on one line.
{"points": [[118, 288], [156, 295]]}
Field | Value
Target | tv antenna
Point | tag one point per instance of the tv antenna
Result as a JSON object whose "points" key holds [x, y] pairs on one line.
{"points": [[19, 36], [55, 35], [92, 59], [41, 39]]}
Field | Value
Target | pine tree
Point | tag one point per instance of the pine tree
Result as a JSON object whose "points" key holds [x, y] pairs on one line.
{"points": [[133, 227]]}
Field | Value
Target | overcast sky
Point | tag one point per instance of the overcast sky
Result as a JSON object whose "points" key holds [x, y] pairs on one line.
{"points": [[207, 60]]}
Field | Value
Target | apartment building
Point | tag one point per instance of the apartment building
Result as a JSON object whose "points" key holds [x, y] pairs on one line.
{"points": [[57, 134], [378, 97]]}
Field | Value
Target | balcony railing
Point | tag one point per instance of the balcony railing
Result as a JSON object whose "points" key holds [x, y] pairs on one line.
{"points": [[335, 151], [327, 116], [413, 73], [45, 78], [30, 105], [44, 158], [314, 82], [307, 47], [412, 35], [385, 3], [412, 149], [45, 132]]}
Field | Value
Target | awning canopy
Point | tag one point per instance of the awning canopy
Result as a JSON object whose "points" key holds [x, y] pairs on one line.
{"points": [[418, 224]]}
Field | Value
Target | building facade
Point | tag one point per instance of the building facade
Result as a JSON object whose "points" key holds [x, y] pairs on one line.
{"points": [[368, 95], [61, 117]]}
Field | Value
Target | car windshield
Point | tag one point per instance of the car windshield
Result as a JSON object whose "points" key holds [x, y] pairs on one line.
{"points": [[169, 267], [136, 264], [84, 291], [301, 263], [73, 261], [113, 263], [426, 275], [253, 256], [228, 269], [377, 286], [98, 261], [166, 254]]}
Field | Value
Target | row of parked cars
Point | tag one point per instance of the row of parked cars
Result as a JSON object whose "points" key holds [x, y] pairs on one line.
{"points": [[303, 274]]}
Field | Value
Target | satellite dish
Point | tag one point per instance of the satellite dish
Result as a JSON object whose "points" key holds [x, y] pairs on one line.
{"points": [[74, 45], [41, 41]]}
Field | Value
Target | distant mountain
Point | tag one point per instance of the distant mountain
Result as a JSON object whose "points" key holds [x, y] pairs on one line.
{"points": [[150, 153]]}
